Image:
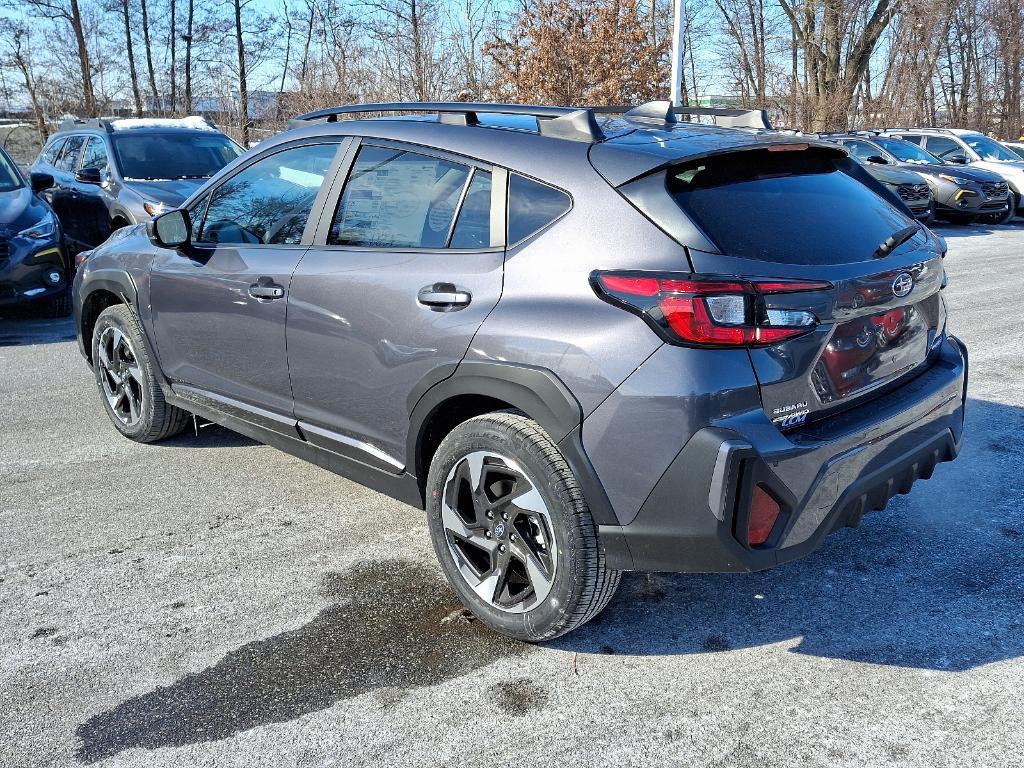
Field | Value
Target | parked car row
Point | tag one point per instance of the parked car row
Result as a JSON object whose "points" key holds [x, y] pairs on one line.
{"points": [[970, 176], [91, 178]]}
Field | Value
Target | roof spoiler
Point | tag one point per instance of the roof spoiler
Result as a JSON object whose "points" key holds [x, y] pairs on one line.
{"points": [[73, 123], [727, 117]]}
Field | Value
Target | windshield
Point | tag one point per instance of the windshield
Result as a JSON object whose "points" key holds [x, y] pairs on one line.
{"points": [[988, 149], [906, 152], [789, 207], [159, 156], [10, 179]]}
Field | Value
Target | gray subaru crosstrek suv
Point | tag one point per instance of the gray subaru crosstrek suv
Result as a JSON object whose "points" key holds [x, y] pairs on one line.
{"points": [[583, 344]]}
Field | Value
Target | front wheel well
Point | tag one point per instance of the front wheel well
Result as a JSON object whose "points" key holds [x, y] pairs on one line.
{"points": [[442, 420], [94, 304]]}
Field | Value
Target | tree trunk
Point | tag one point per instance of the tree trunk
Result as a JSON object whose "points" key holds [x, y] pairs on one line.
{"points": [[174, 61], [287, 58], [89, 97], [149, 56], [188, 57], [417, 51], [243, 91], [131, 58]]}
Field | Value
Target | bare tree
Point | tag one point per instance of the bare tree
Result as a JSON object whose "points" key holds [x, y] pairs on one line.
{"points": [[836, 52], [578, 52], [69, 11], [18, 42], [149, 55], [130, 53]]}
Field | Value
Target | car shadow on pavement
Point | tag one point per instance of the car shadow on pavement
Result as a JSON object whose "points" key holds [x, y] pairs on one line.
{"points": [[391, 626], [931, 583], [204, 434], [24, 329]]}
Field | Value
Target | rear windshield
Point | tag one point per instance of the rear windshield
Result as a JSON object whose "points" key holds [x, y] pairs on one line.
{"points": [[795, 207], [160, 156]]}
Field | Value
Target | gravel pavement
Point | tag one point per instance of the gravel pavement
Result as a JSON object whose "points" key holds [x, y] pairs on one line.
{"points": [[210, 601]]}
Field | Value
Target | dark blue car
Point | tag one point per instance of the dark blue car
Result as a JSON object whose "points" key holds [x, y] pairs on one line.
{"points": [[34, 269]]}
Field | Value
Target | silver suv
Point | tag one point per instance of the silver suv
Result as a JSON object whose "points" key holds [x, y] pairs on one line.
{"points": [[112, 173], [583, 344]]}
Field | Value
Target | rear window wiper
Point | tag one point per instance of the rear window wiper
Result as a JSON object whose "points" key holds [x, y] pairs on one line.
{"points": [[895, 240]]}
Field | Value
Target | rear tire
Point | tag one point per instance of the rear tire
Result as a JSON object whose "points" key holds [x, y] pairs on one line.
{"points": [[127, 382], [512, 530]]}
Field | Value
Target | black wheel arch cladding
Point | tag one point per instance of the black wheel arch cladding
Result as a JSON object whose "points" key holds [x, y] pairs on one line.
{"points": [[538, 393]]}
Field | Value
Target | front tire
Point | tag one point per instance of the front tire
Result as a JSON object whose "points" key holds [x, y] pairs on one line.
{"points": [[59, 305], [126, 380], [512, 530]]}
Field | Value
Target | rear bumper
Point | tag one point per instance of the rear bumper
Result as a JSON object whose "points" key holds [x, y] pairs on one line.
{"points": [[825, 477]]}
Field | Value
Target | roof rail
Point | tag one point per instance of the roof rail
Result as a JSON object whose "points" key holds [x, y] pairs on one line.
{"points": [[73, 123], [572, 123]]}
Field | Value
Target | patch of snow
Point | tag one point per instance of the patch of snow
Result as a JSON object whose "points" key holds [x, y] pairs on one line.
{"points": [[193, 122]]}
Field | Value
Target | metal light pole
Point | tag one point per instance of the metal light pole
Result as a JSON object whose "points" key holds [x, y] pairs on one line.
{"points": [[677, 52]]}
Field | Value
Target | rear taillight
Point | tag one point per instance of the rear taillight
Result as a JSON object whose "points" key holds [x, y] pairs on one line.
{"points": [[709, 311]]}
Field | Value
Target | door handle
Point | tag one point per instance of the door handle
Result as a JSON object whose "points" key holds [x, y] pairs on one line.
{"points": [[443, 296], [266, 289]]}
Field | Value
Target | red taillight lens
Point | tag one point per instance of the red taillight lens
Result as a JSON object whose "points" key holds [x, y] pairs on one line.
{"points": [[764, 511], [705, 311]]}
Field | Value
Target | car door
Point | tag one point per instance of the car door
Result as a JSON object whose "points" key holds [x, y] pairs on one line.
{"points": [[64, 197], [92, 218], [404, 268], [218, 309]]}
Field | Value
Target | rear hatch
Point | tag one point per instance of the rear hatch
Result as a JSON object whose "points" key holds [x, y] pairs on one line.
{"points": [[874, 315]]}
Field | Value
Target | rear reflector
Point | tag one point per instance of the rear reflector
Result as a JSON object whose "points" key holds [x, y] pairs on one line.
{"points": [[698, 310], [764, 511]]}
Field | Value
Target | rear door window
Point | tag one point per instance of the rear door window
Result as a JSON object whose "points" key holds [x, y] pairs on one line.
{"points": [[395, 198], [68, 157], [532, 206], [796, 207], [473, 226]]}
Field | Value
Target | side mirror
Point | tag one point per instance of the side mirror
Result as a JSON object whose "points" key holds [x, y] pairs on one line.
{"points": [[170, 230], [878, 159], [41, 181], [958, 158], [88, 176]]}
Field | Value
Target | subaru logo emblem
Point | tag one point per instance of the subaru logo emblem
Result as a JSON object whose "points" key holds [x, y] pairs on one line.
{"points": [[903, 284], [499, 531]]}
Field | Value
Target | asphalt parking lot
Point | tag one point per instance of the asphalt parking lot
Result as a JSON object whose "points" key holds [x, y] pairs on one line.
{"points": [[213, 602]]}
